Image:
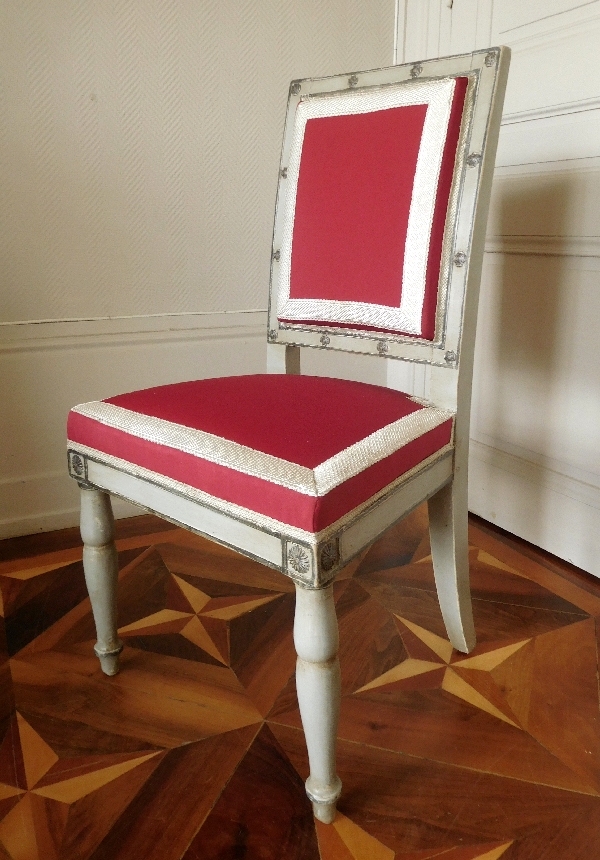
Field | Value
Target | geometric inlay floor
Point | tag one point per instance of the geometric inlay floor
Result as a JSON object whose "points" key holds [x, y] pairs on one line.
{"points": [[195, 750]]}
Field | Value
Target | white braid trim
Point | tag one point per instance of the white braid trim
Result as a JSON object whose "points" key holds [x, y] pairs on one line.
{"points": [[331, 473], [261, 521]]}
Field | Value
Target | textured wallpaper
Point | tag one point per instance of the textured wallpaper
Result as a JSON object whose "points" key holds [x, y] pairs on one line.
{"points": [[140, 143]]}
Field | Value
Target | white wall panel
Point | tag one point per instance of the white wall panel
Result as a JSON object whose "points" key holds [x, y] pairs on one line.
{"points": [[47, 368], [554, 68], [140, 142], [139, 148], [514, 20], [535, 446], [560, 137], [530, 393]]}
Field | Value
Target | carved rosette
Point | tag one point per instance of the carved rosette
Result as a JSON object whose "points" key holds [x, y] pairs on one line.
{"points": [[298, 558], [77, 467], [299, 564], [314, 567], [329, 555]]}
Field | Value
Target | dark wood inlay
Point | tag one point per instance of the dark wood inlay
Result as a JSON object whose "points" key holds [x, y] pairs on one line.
{"points": [[195, 750]]}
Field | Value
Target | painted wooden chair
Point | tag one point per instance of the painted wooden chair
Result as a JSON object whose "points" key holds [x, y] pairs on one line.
{"points": [[378, 242]]}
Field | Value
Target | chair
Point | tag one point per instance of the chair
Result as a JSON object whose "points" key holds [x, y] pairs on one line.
{"points": [[378, 240]]}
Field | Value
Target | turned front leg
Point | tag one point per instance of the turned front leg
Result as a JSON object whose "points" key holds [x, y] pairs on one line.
{"points": [[318, 686], [101, 570]]}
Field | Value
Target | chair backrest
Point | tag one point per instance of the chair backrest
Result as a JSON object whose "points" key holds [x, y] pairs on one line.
{"points": [[381, 209]]}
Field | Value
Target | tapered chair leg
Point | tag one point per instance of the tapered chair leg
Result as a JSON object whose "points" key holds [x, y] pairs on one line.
{"points": [[101, 570], [448, 528], [318, 686]]}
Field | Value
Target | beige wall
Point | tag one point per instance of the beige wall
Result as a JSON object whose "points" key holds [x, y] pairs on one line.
{"points": [[138, 168], [535, 448]]}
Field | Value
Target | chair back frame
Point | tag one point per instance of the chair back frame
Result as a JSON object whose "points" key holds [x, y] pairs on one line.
{"points": [[462, 250]]}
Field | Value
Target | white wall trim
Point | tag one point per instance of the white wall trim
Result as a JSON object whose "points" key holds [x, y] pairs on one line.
{"points": [[561, 109], [575, 483], [399, 28], [44, 502], [132, 319], [48, 334], [547, 507], [544, 246], [552, 27], [563, 165], [46, 367]]}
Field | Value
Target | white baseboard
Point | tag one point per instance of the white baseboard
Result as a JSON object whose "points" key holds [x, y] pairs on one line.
{"points": [[544, 505], [32, 509]]}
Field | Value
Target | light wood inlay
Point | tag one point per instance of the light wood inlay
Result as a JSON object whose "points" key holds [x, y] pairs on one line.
{"points": [[38, 757], [70, 790]]}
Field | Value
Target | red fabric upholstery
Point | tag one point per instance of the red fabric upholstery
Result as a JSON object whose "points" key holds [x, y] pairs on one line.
{"points": [[300, 419], [352, 205], [352, 208], [441, 209]]}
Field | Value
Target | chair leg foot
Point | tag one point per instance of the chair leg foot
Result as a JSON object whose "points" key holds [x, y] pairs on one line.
{"points": [[109, 660], [101, 568], [324, 812], [448, 528], [318, 686]]}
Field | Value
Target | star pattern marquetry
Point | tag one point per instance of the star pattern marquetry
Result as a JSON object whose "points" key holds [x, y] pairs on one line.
{"points": [[468, 678], [199, 618], [345, 834], [39, 791], [195, 750]]}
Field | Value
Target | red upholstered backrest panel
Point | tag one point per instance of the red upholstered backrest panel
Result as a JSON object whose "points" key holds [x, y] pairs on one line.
{"points": [[352, 205], [353, 200], [441, 208]]}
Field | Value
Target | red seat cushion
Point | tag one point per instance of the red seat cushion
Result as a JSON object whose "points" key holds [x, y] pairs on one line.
{"points": [[301, 450]]}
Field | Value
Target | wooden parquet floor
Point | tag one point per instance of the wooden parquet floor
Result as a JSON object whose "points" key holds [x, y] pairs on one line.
{"points": [[195, 750]]}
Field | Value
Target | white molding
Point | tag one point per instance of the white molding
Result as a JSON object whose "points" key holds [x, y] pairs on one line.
{"points": [[144, 322], [590, 164], [399, 31], [59, 519], [47, 367], [44, 502], [545, 506], [49, 334], [544, 246], [550, 28], [554, 137], [576, 483], [561, 109]]}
